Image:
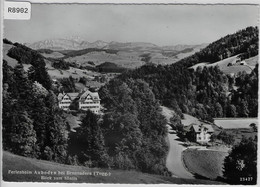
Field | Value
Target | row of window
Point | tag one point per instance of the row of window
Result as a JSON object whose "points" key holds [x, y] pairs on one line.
{"points": [[65, 107], [95, 111], [90, 107], [65, 102], [94, 102], [202, 138]]}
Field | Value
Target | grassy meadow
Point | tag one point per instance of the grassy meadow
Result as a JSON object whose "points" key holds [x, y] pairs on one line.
{"points": [[93, 175]]}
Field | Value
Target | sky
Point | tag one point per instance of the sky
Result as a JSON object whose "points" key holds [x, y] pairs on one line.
{"points": [[158, 24]]}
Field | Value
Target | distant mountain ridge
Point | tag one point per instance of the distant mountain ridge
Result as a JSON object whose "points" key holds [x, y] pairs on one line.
{"points": [[66, 44], [79, 44]]}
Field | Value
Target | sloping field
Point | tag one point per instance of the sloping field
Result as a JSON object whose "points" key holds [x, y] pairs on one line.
{"points": [[11, 62], [236, 69], [54, 54], [229, 65], [73, 121], [252, 61], [78, 174], [127, 61], [205, 163], [188, 119], [74, 72], [235, 123]]}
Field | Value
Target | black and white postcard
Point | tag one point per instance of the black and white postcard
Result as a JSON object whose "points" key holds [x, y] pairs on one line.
{"points": [[130, 93]]}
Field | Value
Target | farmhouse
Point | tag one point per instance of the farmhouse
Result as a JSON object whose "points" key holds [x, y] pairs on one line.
{"points": [[89, 101], [86, 100], [200, 133]]}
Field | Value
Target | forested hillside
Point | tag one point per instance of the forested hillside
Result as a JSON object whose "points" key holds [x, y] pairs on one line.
{"points": [[33, 125], [132, 132], [207, 92], [243, 42], [134, 128], [129, 136]]}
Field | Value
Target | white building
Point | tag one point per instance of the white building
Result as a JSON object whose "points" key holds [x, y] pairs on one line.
{"points": [[87, 100], [201, 133], [65, 99]]}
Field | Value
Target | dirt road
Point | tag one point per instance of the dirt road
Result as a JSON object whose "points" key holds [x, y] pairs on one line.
{"points": [[174, 158]]}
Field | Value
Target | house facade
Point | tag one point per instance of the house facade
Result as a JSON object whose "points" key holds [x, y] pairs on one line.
{"points": [[89, 101], [201, 133], [85, 100], [64, 101]]}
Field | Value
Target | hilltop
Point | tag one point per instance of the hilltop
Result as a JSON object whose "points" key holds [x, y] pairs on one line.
{"points": [[228, 75], [127, 55], [231, 65], [131, 99]]}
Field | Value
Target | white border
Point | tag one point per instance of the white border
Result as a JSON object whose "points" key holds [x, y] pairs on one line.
{"points": [[210, 2], [145, 1]]}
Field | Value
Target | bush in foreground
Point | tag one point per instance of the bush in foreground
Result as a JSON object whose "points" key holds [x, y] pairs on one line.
{"points": [[240, 164]]}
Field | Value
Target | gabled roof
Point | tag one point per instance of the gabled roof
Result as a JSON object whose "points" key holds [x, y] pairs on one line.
{"points": [[82, 95], [198, 128], [93, 95], [60, 96], [72, 96]]}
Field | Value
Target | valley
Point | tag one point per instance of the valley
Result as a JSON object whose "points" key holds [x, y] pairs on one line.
{"points": [[127, 55], [172, 113]]}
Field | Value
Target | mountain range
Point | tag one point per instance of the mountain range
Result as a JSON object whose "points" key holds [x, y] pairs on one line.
{"points": [[78, 44]]}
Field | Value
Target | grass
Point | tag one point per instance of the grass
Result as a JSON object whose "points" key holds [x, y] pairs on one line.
{"points": [[188, 119], [240, 133], [11, 61], [235, 68], [74, 121], [252, 61], [235, 123], [54, 54], [13, 162], [238, 127], [204, 163]]}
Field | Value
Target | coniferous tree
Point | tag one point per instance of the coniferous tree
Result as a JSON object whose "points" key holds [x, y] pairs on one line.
{"points": [[37, 72], [20, 137], [88, 143], [241, 163]]}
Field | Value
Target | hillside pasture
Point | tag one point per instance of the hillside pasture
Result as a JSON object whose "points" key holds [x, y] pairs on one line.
{"points": [[204, 163], [188, 119], [235, 123], [127, 60], [54, 54], [237, 127], [231, 65], [240, 133], [237, 68], [73, 72], [252, 61], [73, 121], [11, 61], [13, 162]]}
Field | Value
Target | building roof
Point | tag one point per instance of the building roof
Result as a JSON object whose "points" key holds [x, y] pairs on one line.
{"points": [[198, 128], [83, 95], [93, 95], [73, 95], [60, 96]]}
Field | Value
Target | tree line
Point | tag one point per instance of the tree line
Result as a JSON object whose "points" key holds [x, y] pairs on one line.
{"points": [[205, 92], [131, 134]]}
